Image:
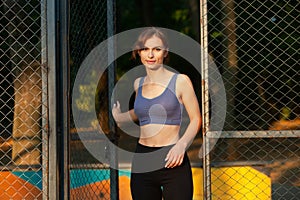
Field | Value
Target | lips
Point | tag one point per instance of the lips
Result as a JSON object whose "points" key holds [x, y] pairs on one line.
{"points": [[150, 61]]}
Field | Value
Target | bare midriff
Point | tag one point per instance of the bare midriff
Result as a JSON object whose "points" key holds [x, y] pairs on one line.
{"points": [[156, 135]]}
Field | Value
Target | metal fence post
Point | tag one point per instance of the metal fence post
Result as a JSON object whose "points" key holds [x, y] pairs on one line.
{"points": [[57, 49], [51, 49], [205, 99], [64, 98], [45, 113], [113, 156]]}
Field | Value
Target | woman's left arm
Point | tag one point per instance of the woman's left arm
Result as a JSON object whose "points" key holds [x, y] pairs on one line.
{"points": [[186, 93]]}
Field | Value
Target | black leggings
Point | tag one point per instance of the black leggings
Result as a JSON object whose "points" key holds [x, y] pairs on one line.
{"points": [[151, 181]]}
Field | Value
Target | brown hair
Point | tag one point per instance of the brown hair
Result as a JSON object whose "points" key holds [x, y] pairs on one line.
{"points": [[145, 35]]}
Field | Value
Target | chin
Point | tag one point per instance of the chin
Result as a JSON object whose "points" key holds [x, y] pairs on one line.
{"points": [[154, 67]]}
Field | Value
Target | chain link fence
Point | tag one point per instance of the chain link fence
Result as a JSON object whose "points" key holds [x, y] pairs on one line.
{"points": [[255, 45], [23, 100], [91, 22]]}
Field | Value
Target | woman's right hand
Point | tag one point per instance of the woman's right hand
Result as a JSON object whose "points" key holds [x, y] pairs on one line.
{"points": [[116, 111], [124, 117]]}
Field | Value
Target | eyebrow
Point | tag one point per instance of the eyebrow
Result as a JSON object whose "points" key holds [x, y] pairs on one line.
{"points": [[154, 47]]}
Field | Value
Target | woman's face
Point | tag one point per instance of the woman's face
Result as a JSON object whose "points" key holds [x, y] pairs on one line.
{"points": [[153, 53]]}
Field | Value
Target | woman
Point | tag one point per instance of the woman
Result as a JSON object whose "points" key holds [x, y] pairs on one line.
{"points": [[160, 98]]}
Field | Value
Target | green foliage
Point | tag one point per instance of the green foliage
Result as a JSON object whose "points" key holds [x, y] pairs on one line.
{"points": [[216, 34], [172, 14], [87, 94]]}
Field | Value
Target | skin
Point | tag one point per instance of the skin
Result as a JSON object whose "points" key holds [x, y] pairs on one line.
{"points": [[155, 82]]}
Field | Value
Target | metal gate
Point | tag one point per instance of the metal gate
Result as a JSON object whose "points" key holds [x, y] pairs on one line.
{"points": [[255, 46], [91, 22], [23, 100], [41, 50]]}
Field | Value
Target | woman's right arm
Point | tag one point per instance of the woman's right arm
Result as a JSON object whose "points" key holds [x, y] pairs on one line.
{"points": [[121, 117], [125, 116]]}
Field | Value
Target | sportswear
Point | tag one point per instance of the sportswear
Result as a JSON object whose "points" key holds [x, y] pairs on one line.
{"points": [[150, 180], [163, 109]]}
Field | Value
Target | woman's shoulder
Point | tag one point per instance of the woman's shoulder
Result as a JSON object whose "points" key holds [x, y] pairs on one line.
{"points": [[136, 83], [182, 82], [183, 79]]}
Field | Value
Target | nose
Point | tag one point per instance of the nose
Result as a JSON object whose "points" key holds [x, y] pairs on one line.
{"points": [[150, 54]]}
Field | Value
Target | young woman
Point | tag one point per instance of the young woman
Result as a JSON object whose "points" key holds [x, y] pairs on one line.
{"points": [[160, 98]]}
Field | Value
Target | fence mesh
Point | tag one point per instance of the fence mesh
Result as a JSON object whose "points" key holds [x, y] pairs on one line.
{"points": [[23, 100], [90, 179], [255, 45]]}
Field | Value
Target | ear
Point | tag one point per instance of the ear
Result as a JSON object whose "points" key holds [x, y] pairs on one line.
{"points": [[166, 52]]}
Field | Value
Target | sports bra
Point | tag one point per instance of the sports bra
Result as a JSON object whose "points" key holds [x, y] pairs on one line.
{"points": [[163, 109]]}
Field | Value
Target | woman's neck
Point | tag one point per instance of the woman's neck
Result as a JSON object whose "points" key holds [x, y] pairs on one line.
{"points": [[156, 75]]}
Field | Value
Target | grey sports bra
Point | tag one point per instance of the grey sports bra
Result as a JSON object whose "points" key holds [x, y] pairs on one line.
{"points": [[163, 109]]}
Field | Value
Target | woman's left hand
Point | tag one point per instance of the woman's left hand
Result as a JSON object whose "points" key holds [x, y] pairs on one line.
{"points": [[175, 156]]}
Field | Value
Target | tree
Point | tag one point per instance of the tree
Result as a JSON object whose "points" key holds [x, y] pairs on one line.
{"points": [[230, 67], [24, 53], [145, 8]]}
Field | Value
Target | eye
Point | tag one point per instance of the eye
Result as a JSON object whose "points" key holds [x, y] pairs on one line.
{"points": [[144, 49], [157, 49]]}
